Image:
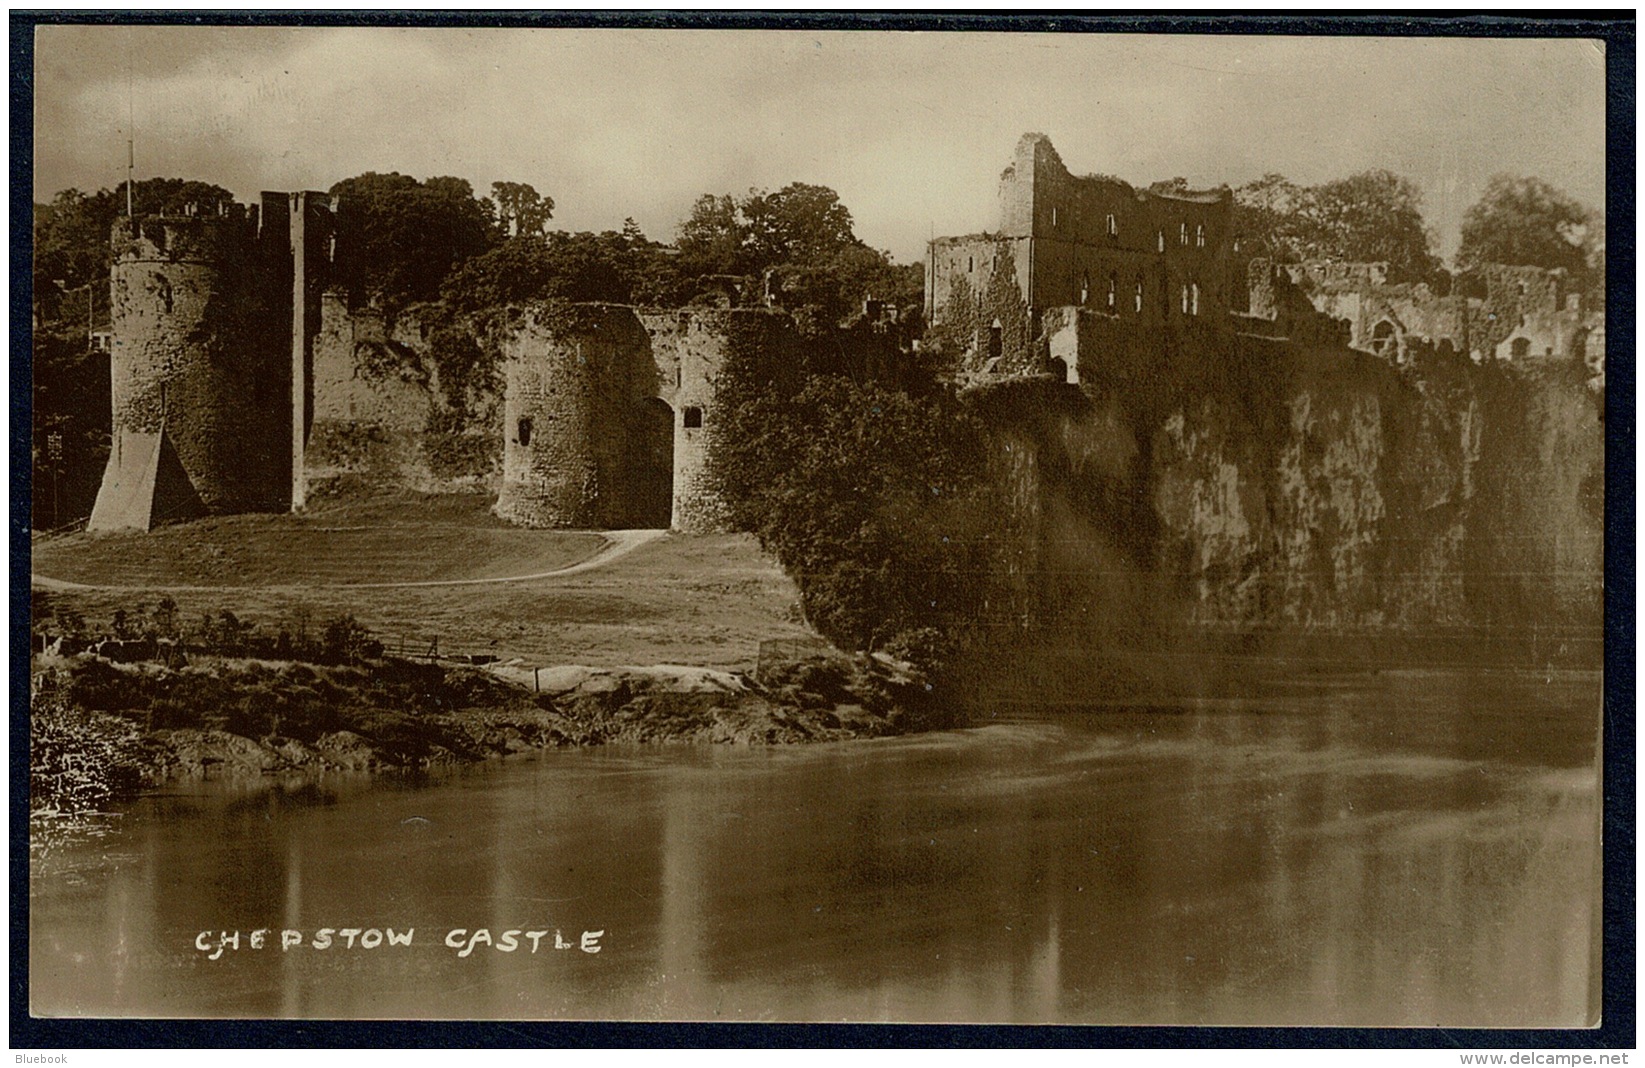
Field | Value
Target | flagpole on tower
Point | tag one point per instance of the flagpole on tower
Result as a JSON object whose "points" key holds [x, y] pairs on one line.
{"points": [[131, 134]]}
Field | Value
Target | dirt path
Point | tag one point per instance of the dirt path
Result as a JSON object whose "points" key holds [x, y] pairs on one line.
{"points": [[618, 543]]}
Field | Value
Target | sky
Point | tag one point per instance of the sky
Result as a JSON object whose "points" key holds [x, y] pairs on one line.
{"points": [[911, 129]]}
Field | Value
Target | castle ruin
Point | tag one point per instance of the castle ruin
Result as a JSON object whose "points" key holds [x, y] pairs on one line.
{"points": [[1075, 260], [239, 377]]}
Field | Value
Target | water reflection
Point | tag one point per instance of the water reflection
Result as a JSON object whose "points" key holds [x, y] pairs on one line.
{"points": [[1408, 848]]}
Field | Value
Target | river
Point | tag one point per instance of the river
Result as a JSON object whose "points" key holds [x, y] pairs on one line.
{"points": [[1393, 848]]}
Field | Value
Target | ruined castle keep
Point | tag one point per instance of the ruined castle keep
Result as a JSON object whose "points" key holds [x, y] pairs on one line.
{"points": [[212, 321], [1076, 245], [1296, 446], [1077, 260]]}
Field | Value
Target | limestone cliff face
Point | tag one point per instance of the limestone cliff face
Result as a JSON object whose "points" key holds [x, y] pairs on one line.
{"points": [[1243, 484]]}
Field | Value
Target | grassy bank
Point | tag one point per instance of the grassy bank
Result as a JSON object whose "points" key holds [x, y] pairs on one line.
{"points": [[703, 600], [413, 538]]}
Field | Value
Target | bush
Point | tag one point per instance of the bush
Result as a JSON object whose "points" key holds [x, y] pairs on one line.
{"points": [[874, 499], [79, 760]]}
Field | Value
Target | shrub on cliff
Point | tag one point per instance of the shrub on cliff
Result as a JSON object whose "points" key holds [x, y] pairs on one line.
{"points": [[869, 497]]}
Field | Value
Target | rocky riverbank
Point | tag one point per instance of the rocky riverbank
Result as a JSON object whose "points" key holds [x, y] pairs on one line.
{"points": [[230, 717]]}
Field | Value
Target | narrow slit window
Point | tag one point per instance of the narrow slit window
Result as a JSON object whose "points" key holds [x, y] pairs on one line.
{"points": [[1185, 300], [1113, 227], [1193, 298], [1199, 237], [1112, 294], [522, 432], [1053, 215], [1183, 234], [1085, 288], [693, 418], [1159, 241], [1139, 296]]}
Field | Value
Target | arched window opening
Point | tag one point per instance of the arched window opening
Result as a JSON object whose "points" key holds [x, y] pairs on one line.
{"points": [[1085, 287], [1185, 300], [1193, 298], [522, 432], [996, 341], [1113, 226], [1183, 234], [1113, 285], [1159, 241], [1139, 296], [1382, 338], [1199, 236], [693, 418], [1520, 348]]}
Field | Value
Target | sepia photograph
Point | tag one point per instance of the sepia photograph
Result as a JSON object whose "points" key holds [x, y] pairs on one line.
{"points": [[814, 525]]}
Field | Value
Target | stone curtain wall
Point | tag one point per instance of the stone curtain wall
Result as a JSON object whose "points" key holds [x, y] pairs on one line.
{"points": [[374, 391]]}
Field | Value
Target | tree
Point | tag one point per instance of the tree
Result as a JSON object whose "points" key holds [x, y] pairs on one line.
{"points": [[521, 210], [1373, 216], [401, 237], [1527, 222], [870, 497], [1269, 214], [802, 237], [713, 239], [616, 267], [797, 222]]}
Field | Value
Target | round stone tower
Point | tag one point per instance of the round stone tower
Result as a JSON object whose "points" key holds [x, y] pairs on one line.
{"points": [[199, 379], [609, 411], [587, 440]]}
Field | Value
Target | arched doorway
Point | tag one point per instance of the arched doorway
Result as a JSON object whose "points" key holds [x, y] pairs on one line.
{"points": [[651, 460]]}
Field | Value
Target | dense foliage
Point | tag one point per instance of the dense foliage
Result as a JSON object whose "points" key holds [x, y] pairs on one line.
{"points": [[870, 497], [399, 238], [798, 246], [1373, 216], [79, 759], [1527, 222]]}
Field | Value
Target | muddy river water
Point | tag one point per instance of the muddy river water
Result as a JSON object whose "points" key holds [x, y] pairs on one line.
{"points": [[1410, 848]]}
